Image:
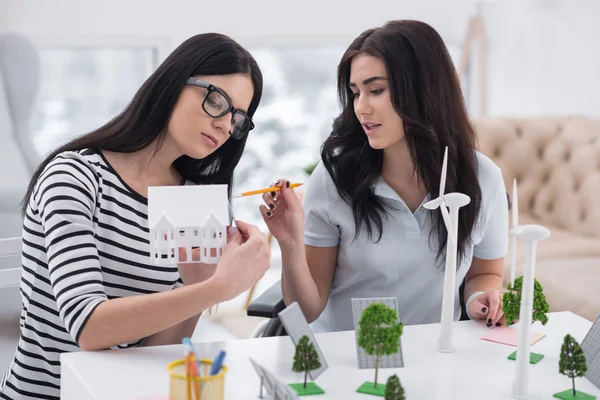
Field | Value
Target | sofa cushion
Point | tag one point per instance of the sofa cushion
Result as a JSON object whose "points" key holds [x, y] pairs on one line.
{"points": [[556, 162], [560, 244], [571, 284]]}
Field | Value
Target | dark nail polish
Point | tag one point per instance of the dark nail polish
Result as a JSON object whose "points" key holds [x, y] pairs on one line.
{"points": [[287, 184], [269, 213], [489, 321], [273, 194], [498, 324], [277, 183], [484, 310], [272, 206], [489, 324]]}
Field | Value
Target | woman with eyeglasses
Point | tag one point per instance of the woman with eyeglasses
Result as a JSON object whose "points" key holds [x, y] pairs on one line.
{"points": [[87, 281], [364, 230]]}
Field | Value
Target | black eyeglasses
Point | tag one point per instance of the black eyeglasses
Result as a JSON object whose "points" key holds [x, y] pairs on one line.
{"points": [[216, 104]]}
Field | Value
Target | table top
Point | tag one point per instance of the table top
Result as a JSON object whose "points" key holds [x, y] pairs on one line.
{"points": [[477, 369]]}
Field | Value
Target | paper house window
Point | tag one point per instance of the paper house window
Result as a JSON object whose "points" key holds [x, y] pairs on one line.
{"points": [[197, 213]]}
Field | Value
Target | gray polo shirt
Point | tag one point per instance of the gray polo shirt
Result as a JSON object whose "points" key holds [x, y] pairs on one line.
{"points": [[402, 264]]}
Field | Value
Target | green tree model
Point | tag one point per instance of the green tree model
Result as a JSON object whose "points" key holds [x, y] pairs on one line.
{"points": [[379, 332], [572, 360], [308, 170], [511, 302], [306, 358], [393, 389]]}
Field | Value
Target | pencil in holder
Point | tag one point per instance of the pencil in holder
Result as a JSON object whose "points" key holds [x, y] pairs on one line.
{"points": [[203, 387]]}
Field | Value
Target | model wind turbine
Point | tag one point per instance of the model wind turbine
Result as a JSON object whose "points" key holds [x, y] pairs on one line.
{"points": [[453, 201], [514, 233], [530, 234]]}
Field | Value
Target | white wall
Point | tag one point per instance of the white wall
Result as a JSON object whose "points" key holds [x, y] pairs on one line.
{"points": [[3, 14], [544, 57], [259, 21]]}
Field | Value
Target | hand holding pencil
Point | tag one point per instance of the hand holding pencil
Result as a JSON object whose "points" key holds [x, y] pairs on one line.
{"points": [[283, 213]]}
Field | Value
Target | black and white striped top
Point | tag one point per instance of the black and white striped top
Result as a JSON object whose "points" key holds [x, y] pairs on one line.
{"points": [[85, 240]]}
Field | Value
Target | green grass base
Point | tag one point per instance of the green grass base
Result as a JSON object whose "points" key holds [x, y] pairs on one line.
{"points": [[568, 395], [534, 358], [311, 388], [368, 388]]}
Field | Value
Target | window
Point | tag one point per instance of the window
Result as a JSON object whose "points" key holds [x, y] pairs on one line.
{"points": [[81, 88]]}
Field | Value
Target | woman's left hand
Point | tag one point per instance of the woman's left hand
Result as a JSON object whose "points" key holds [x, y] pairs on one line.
{"points": [[488, 306], [194, 272]]}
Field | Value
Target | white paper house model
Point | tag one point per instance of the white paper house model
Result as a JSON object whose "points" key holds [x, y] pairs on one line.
{"points": [[187, 223]]}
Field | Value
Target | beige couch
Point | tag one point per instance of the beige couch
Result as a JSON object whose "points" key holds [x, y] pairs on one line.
{"points": [[556, 161]]}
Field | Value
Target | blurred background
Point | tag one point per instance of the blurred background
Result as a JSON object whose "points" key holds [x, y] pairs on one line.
{"points": [[529, 70]]}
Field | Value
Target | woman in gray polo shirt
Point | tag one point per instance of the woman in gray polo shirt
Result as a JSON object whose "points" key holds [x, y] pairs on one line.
{"points": [[363, 231]]}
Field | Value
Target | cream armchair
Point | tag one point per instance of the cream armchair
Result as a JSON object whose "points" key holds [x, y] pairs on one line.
{"points": [[556, 162]]}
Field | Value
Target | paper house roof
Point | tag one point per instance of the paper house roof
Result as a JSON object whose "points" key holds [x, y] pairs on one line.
{"points": [[212, 221], [163, 223]]}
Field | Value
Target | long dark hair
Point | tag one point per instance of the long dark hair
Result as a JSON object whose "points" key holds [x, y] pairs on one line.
{"points": [[145, 119], [426, 94]]}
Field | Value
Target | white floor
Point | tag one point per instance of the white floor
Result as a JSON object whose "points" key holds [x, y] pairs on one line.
{"points": [[207, 329]]}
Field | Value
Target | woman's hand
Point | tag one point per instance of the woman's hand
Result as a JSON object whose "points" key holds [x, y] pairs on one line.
{"points": [[488, 306], [283, 214], [245, 260]]}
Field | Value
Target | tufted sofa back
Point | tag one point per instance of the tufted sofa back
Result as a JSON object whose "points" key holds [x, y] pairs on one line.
{"points": [[556, 162]]}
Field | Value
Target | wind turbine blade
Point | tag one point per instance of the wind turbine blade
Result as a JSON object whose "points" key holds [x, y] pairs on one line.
{"points": [[449, 229], [433, 204], [444, 169], [515, 206]]}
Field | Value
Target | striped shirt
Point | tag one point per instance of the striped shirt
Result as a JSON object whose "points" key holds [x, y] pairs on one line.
{"points": [[85, 241]]}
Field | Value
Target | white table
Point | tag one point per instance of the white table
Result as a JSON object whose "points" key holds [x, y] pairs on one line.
{"points": [[477, 369]]}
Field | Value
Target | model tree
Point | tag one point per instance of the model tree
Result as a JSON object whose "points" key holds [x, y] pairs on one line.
{"points": [[511, 302], [393, 389], [308, 170], [572, 364], [306, 358], [379, 332]]}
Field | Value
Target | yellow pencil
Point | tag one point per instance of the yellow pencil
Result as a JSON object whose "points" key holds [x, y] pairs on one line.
{"points": [[188, 376], [266, 190]]}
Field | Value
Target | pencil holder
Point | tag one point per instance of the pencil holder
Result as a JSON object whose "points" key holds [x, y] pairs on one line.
{"points": [[204, 387]]}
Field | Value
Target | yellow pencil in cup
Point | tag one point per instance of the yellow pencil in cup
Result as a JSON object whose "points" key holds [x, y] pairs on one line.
{"points": [[188, 381], [265, 190], [192, 369]]}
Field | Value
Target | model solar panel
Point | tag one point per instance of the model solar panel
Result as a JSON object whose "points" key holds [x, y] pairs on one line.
{"points": [[591, 349], [275, 388], [365, 360], [296, 326]]}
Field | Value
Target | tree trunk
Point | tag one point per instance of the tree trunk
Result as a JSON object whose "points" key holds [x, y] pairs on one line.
{"points": [[574, 392], [305, 374], [376, 369]]}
